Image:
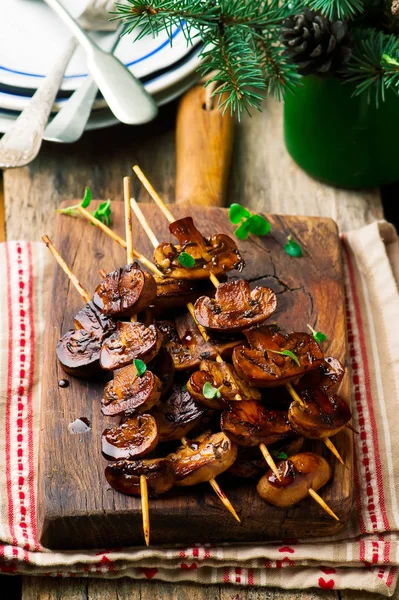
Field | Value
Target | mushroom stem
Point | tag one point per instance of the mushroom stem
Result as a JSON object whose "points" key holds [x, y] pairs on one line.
{"points": [[323, 505], [72, 278]]}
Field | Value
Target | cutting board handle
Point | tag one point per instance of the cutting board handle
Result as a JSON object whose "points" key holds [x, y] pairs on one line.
{"points": [[204, 143]]}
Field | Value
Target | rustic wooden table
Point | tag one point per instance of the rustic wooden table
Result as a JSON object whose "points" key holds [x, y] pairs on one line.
{"points": [[263, 177]]}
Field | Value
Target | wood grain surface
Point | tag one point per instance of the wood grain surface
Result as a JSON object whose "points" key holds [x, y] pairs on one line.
{"points": [[263, 177], [75, 500]]}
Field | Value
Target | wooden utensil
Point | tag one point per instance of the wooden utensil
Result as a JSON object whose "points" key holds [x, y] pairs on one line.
{"points": [[204, 143]]}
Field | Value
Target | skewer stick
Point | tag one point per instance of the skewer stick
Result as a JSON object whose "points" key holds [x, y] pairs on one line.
{"points": [[154, 195], [321, 502], [269, 459], [72, 278], [326, 441], [145, 511], [128, 220], [147, 263]]}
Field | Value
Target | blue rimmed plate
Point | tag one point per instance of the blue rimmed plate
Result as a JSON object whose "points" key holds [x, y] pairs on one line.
{"points": [[31, 35]]}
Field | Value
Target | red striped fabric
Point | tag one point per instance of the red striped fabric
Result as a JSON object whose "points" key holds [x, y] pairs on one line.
{"points": [[366, 555]]}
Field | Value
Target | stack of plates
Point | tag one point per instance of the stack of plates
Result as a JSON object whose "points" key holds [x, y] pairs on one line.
{"points": [[31, 37]]}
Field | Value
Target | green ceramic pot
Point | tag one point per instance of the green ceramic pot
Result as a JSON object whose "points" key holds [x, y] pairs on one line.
{"points": [[340, 139]]}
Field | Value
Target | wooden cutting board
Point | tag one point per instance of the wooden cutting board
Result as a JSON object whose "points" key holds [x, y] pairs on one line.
{"points": [[77, 507]]}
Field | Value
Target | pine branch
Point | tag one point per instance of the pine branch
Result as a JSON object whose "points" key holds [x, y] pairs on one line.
{"points": [[337, 9], [374, 65], [240, 42]]}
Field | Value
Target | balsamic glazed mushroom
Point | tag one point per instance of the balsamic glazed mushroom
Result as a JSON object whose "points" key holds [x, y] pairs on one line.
{"points": [[250, 462], [222, 377], [186, 344], [177, 414], [78, 350], [235, 307], [249, 423], [177, 293], [136, 436], [318, 415], [203, 458], [298, 473], [125, 292], [129, 391], [217, 254], [263, 365], [131, 340], [164, 368], [124, 476], [327, 377]]}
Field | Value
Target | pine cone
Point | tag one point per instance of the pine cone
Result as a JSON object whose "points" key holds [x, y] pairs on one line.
{"points": [[315, 44]]}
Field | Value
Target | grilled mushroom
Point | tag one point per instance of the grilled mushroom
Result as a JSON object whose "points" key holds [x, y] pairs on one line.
{"points": [[79, 352], [249, 423], [125, 292], [128, 391], [299, 473], [186, 344], [203, 459], [177, 414], [319, 415], [136, 436], [250, 462], [221, 376], [235, 307], [177, 293], [164, 368], [91, 319], [263, 365], [130, 341], [327, 377], [217, 254], [124, 476]]}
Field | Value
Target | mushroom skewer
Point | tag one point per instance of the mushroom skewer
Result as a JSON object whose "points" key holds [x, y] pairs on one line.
{"points": [[130, 259], [215, 486], [154, 195]]}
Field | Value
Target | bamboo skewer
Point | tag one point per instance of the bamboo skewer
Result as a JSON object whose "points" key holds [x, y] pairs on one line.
{"points": [[72, 278], [215, 282], [145, 511]]}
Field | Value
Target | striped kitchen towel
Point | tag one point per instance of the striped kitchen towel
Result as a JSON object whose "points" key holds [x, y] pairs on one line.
{"points": [[364, 556]]}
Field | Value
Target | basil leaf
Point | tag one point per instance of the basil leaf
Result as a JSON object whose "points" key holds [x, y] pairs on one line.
{"points": [[319, 336], [237, 212], [186, 260], [278, 454], [293, 248], [140, 366], [258, 225], [243, 230], [208, 391]]}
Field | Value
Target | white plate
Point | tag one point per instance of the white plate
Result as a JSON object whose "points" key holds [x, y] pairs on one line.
{"points": [[31, 35], [18, 99], [103, 117]]}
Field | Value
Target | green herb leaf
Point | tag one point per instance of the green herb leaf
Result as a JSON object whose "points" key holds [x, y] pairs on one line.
{"points": [[258, 225], [186, 260], [103, 212], [140, 366], [86, 198], [208, 391], [293, 248], [277, 454], [319, 336], [238, 212], [184, 388], [286, 353], [243, 230]]}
